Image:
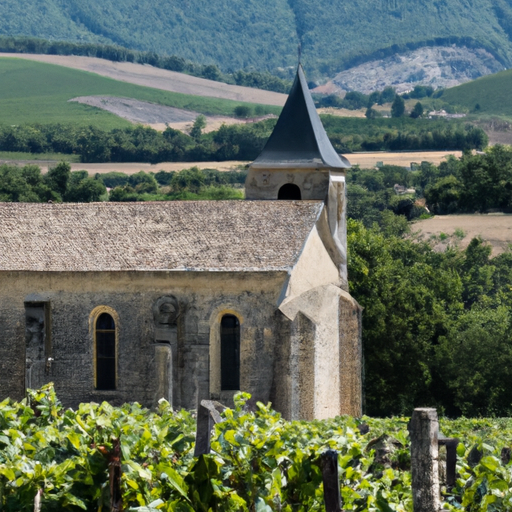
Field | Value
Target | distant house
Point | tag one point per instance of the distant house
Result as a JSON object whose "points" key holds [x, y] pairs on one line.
{"points": [[401, 190], [443, 113], [191, 300]]}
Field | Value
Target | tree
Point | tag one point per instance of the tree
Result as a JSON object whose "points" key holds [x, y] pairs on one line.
{"points": [[443, 197], [371, 113], [143, 183], [87, 190], [57, 178], [243, 111], [198, 127], [387, 95], [417, 111], [398, 107], [407, 296]]}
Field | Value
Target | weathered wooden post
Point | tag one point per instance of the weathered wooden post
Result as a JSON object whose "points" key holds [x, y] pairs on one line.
{"points": [[203, 430], [423, 429], [208, 413], [332, 496]]}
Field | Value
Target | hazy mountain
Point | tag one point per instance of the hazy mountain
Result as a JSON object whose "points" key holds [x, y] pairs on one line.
{"points": [[264, 34]]}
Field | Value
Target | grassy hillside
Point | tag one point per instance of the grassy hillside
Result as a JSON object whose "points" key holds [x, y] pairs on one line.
{"points": [[489, 95], [33, 92], [264, 34]]}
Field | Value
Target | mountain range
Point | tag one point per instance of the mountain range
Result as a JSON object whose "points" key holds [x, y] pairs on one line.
{"points": [[264, 35]]}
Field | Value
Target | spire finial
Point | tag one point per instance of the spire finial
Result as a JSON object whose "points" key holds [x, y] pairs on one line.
{"points": [[299, 49]]}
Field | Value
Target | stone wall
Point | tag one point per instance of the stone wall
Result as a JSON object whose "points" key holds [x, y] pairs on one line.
{"points": [[202, 298]]}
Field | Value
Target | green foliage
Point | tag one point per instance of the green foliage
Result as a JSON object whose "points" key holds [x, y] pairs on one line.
{"points": [[188, 184], [198, 127], [272, 31], [57, 177], [117, 53], [242, 111], [404, 133], [142, 144], [417, 111], [419, 92], [27, 184], [113, 179], [259, 462], [371, 113], [370, 195], [436, 326], [354, 100], [487, 95], [474, 183], [398, 107]]}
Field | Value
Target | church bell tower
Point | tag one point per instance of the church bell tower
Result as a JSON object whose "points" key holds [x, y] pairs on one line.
{"points": [[299, 162]]}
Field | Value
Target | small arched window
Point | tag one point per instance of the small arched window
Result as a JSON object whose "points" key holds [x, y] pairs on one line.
{"points": [[229, 353], [105, 348], [290, 191]]}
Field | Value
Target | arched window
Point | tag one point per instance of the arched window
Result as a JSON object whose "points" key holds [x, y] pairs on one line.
{"points": [[229, 353], [289, 191], [105, 349]]}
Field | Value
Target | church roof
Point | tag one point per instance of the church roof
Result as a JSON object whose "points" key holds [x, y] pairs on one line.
{"points": [[180, 235], [299, 138]]}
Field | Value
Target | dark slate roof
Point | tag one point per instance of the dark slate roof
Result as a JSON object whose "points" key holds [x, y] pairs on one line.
{"points": [[180, 235], [299, 138]]}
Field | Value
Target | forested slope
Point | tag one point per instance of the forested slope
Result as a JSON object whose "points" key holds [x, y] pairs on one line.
{"points": [[264, 34]]}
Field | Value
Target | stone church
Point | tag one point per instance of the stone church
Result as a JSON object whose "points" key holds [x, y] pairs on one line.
{"points": [[192, 300]]}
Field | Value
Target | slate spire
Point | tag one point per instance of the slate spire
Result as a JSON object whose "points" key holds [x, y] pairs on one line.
{"points": [[299, 139]]}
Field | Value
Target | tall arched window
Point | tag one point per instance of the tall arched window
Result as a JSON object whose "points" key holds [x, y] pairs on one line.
{"points": [[289, 191], [105, 349], [229, 353]]}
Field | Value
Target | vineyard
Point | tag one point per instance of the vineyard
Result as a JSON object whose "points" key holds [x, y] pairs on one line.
{"points": [[101, 458]]}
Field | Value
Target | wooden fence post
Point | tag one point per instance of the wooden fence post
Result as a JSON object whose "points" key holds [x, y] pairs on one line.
{"points": [[423, 429], [203, 431], [208, 413], [332, 496]]}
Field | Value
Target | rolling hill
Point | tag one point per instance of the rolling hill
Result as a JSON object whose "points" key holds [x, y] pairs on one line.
{"points": [[37, 92], [264, 34], [488, 95]]}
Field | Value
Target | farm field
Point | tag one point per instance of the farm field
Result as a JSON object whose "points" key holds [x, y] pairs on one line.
{"points": [[37, 92], [403, 159], [156, 78], [129, 167], [459, 230], [364, 160]]}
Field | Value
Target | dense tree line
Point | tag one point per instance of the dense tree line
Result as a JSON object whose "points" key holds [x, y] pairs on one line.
{"points": [[60, 184], [256, 79], [436, 326], [139, 143], [402, 134], [462, 138], [28, 184], [474, 183], [355, 100], [370, 194], [188, 184], [235, 142], [477, 182]]}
